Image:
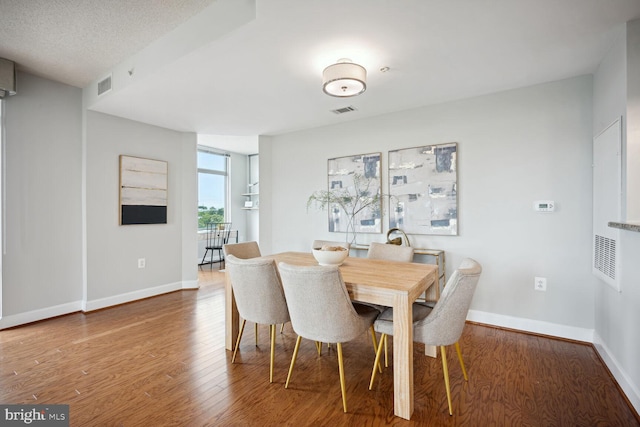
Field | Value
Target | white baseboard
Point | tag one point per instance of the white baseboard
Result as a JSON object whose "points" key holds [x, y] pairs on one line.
{"points": [[529, 325], [190, 284], [62, 309], [626, 384], [40, 314], [97, 304]]}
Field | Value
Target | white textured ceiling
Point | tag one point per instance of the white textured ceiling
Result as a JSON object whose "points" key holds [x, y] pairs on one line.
{"points": [[77, 41], [265, 76]]}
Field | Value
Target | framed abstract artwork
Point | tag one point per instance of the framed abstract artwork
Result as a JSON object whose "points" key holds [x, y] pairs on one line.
{"points": [[355, 203], [423, 189], [143, 191]]}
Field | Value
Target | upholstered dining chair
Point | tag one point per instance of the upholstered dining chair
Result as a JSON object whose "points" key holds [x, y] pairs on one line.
{"points": [[244, 250], [322, 311], [317, 244], [441, 325], [320, 243], [390, 252], [259, 296]]}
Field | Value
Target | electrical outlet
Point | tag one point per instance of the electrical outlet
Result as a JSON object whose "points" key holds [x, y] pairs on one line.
{"points": [[141, 262], [540, 284]]}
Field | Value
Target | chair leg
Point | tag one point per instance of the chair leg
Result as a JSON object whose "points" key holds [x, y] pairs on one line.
{"points": [[376, 363], [256, 328], [464, 371], [375, 345], [342, 383], [319, 348], [205, 256], [445, 370], [282, 328], [235, 350], [272, 330], [293, 360], [386, 353], [374, 339]]}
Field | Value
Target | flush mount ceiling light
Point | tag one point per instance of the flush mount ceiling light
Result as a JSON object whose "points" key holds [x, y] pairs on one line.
{"points": [[344, 79]]}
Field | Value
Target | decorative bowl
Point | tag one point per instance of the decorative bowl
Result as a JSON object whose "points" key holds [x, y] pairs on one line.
{"points": [[331, 257]]}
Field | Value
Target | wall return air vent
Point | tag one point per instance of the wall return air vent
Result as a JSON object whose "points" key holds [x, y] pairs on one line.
{"points": [[104, 85], [604, 258]]}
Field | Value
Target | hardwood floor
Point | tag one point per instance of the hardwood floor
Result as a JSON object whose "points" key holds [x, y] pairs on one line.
{"points": [[162, 362]]}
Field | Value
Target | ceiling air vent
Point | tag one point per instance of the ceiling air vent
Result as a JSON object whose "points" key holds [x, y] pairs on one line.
{"points": [[344, 110], [104, 85]]}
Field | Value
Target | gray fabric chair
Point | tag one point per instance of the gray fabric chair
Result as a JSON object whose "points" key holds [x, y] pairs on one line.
{"points": [[317, 244], [441, 325], [390, 252], [384, 251], [243, 250], [322, 311], [259, 296], [320, 243]]}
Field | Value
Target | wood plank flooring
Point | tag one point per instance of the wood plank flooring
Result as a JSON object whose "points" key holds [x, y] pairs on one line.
{"points": [[162, 362]]}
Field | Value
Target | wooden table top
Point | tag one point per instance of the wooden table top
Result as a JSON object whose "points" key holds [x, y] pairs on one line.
{"points": [[385, 276]]}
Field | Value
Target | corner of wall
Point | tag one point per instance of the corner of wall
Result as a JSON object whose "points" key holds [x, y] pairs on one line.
{"points": [[266, 189], [618, 372]]}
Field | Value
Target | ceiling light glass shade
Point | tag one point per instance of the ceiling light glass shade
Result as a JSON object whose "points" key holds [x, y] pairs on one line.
{"points": [[344, 79]]}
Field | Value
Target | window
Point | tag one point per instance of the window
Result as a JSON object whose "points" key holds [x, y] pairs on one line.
{"points": [[212, 186]]}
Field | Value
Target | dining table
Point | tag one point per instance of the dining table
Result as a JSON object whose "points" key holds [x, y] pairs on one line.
{"points": [[388, 283]]}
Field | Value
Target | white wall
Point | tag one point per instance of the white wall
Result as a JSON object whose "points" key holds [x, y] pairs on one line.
{"points": [[617, 317], [189, 208], [266, 212], [514, 148], [113, 250], [45, 246], [43, 162]]}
